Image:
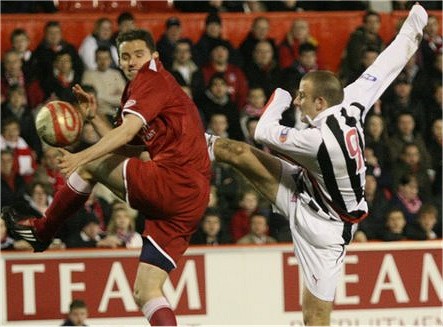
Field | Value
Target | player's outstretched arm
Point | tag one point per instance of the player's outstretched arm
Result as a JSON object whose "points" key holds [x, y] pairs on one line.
{"points": [[376, 79], [114, 139]]}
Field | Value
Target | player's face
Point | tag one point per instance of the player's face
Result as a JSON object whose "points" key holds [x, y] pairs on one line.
{"points": [[305, 101], [133, 55]]}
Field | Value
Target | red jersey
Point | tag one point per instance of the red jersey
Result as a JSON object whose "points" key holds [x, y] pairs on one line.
{"points": [[172, 132]]}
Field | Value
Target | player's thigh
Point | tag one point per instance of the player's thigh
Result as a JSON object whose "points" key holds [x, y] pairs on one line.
{"points": [[148, 282], [107, 170], [260, 168]]}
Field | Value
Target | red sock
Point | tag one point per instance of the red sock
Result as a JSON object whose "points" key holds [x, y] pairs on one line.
{"points": [[163, 317], [159, 312], [67, 201]]}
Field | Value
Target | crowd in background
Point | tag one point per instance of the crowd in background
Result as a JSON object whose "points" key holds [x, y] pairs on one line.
{"points": [[230, 87]]}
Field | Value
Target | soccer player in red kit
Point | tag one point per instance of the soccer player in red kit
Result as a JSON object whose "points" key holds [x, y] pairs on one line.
{"points": [[171, 189]]}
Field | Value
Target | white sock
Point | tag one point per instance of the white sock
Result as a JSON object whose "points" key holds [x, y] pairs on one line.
{"points": [[153, 305], [78, 184], [210, 141]]}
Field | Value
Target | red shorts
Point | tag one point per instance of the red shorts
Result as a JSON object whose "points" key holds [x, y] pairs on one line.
{"points": [[173, 201]]}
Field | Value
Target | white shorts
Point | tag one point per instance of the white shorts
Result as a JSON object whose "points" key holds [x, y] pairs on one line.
{"points": [[318, 240]]}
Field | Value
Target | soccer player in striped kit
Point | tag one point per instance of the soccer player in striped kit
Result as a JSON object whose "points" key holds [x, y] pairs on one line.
{"points": [[319, 183]]}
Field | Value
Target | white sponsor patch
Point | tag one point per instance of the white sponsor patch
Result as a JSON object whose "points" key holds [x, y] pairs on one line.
{"points": [[129, 104]]}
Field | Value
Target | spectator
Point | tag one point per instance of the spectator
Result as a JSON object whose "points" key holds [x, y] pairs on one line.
{"points": [[423, 227], [121, 230], [90, 235], [259, 32], [288, 51], [435, 150], [216, 101], [108, 83], [255, 103], [20, 42], [167, 42], [363, 37], [16, 106], [184, 67], [60, 80], [218, 125], [211, 37], [125, 23], [78, 313], [376, 139], [24, 157], [100, 37], [368, 57], [13, 185], [406, 198], [51, 44], [48, 172], [240, 221], [306, 62], [410, 162], [394, 226], [434, 107], [425, 78], [227, 183], [405, 134], [8, 243], [371, 227], [431, 44], [211, 231], [13, 74], [39, 196], [263, 71], [234, 76], [258, 231], [403, 101]]}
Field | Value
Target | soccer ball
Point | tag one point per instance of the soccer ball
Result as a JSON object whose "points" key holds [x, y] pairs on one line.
{"points": [[59, 124]]}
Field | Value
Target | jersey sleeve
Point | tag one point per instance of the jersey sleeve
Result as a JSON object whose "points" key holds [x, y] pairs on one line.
{"points": [[299, 145], [149, 95], [375, 80]]}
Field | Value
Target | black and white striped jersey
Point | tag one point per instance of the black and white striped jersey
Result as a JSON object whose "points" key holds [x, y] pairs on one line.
{"points": [[331, 149]]}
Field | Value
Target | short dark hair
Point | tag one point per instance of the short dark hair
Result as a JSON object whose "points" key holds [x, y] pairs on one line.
{"points": [[218, 75], [211, 212], [137, 35], [124, 16], [52, 23], [326, 85], [306, 47], [77, 304], [102, 48], [370, 13], [16, 32]]}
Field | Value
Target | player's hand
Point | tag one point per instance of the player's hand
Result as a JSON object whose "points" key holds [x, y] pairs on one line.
{"points": [[68, 162], [87, 104]]}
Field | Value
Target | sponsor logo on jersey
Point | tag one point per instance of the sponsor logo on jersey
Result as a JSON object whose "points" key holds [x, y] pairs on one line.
{"points": [[369, 77], [129, 104], [284, 135]]}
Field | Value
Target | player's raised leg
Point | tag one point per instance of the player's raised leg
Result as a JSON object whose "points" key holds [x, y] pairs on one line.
{"points": [[260, 168], [67, 201]]}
